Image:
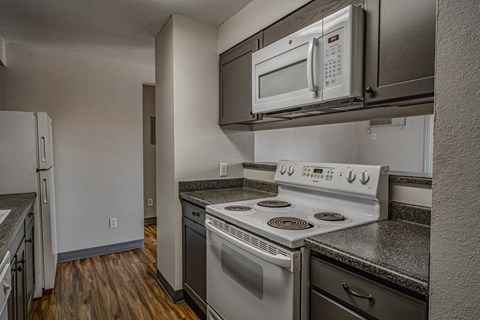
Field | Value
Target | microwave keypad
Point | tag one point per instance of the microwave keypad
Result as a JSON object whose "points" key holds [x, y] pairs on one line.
{"points": [[333, 63]]}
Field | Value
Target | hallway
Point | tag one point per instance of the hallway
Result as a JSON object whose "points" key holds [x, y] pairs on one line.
{"points": [[115, 286]]}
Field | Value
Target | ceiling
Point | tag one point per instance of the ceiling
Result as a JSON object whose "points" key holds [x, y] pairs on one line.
{"points": [[114, 28]]}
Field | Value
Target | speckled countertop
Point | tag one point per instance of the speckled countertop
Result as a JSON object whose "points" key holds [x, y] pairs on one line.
{"points": [[395, 251], [205, 197], [20, 205]]}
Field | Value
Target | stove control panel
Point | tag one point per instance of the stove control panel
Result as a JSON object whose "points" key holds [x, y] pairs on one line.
{"points": [[318, 173], [361, 180]]}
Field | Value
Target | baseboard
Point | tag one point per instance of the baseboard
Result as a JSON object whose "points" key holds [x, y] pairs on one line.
{"points": [[175, 296], [99, 251], [151, 220]]}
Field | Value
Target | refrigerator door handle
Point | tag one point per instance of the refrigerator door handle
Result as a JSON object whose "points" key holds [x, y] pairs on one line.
{"points": [[44, 148], [45, 190]]}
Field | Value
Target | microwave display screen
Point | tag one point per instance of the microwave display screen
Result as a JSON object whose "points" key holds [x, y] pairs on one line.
{"points": [[317, 170], [333, 38]]}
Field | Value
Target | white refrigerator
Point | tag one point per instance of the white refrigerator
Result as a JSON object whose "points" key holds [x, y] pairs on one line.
{"points": [[26, 165]]}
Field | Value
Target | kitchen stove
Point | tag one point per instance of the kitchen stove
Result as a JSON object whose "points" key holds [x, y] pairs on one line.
{"points": [[328, 197], [255, 249]]}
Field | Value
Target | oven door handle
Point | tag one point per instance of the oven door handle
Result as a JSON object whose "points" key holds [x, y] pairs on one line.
{"points": [[278, 260]]}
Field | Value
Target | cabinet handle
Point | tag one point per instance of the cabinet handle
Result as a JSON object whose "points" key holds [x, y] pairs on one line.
{"points": [[368, 89], [369, 297], [19, 268], [196, 214], [28, 241]]}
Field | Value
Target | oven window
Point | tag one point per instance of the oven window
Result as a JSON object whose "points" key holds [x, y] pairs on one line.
{"points": [[287, 79], [244, 271]]}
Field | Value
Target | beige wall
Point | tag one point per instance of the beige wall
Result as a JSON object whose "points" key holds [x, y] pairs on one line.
{"points": [[455, 236], [149, 156], [190, 144], [257, 15], [96, 107]]}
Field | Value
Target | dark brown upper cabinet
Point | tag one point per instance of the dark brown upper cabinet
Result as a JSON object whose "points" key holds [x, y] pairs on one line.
{"points": [[303, 17], [400, 51], [236, 82]]}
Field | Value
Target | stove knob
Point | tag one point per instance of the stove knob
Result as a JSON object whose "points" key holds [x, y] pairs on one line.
{"points": [[283, 169], [291, 170], [351, 176], [364, 177]]}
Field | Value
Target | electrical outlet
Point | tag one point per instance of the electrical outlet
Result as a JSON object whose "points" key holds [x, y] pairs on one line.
{"points": [[150, 202], [223, 169], [374, 136], [112, 222]]}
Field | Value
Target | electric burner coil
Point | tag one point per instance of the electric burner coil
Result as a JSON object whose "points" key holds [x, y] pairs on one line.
{"points": [[238, 208], [330, 216], [289, 223], [274, 204]]}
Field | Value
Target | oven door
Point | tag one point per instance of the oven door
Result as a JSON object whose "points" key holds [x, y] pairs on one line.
{"points": [[246, 282], [287, 73]]}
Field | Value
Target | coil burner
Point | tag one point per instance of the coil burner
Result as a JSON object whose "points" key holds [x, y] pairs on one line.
{"points": [[238, 208], [274, 204], [289, 223], [330, 216]]}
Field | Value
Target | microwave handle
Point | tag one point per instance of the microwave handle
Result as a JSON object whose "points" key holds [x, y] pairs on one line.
{"points": [[310, 71]]}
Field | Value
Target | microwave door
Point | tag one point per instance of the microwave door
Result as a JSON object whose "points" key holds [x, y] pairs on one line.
{"points": [[288, 79]]}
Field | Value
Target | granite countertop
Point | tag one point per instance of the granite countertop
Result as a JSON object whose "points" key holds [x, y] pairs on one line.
{"points": [[20, 205], [205, 197], [395, 251]]}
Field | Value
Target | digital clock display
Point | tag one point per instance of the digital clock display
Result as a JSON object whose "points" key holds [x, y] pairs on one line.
{"points": [[333, 38], [317, 170]]}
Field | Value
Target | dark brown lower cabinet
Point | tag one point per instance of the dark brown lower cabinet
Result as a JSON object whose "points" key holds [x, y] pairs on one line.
{"points": [[29, 266], [23, 273], [195, 257], [340, 294]]}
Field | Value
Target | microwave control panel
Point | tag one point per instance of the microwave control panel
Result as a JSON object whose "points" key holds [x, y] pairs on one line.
{"points": [[333, 62]]}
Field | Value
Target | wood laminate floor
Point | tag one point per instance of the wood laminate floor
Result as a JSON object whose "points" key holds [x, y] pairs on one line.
{"points": [[115, 286]]}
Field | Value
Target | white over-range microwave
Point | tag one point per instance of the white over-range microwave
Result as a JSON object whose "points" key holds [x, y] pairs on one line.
{"points": [[317, 69]]}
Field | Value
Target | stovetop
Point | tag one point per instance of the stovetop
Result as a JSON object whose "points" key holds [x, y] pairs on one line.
{"points": [[299, 204]]}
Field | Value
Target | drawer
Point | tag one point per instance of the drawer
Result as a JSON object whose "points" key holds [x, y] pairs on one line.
{"points": [[385, 303], [193, 212], [323, 308]]}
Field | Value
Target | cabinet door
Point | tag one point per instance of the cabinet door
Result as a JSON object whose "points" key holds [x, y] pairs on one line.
{"points": [[323, 308], [400, 50], [195, 262], [303, 17], [19, 284], [12, 312], [29, 267], [236, 82]]}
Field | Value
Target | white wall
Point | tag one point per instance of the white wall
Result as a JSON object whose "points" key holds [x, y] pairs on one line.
{"points": [[402, 148], [256, 16], [96, 107], [190, 144], [455, 236], [327, 143]]}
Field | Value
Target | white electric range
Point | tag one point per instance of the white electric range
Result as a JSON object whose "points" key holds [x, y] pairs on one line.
{"points": [[255, 253]]}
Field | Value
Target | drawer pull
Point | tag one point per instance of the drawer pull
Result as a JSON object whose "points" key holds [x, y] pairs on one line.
{"points": [[358, 295], [196, 214]]}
